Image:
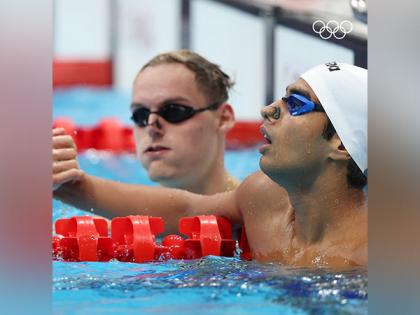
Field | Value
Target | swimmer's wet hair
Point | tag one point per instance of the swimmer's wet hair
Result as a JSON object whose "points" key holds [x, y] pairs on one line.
{"points": [[355, 177], [211, 80]]}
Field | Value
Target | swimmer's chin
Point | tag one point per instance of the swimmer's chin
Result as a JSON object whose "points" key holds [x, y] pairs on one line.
{"points": [[265, 168], [274, 173], [166, 179]]}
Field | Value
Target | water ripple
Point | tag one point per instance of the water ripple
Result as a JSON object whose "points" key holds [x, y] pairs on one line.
{"points": [[218, 280]]}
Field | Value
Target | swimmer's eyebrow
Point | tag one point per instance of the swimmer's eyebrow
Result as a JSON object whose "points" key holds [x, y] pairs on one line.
{"points": [[134, 105], [296, 90], [178, 100]]}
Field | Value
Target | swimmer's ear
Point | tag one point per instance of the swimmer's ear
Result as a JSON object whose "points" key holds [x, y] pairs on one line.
{"points": [[226, 117], [337, 149]]}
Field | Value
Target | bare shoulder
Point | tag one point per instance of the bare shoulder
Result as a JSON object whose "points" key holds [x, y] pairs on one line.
{"points": [[260, 190], [259, 182]]}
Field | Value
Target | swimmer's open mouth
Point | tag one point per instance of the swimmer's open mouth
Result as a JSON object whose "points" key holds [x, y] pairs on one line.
{"points": [[155, 148], [265, 135]]}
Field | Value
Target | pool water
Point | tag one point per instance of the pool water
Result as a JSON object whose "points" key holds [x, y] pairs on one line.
{"points": [[88, 106], [211, 285]]}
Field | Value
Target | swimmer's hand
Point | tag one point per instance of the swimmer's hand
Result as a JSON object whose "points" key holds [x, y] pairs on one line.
{"points": [[65, 166]]}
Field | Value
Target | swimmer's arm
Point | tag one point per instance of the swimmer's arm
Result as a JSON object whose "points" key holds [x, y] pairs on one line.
{"points": [[224, 204], [110, 199]]}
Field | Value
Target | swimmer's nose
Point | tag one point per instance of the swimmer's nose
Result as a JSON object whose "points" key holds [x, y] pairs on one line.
{"points": [[154, 127], [270, 112], [154, 120]]}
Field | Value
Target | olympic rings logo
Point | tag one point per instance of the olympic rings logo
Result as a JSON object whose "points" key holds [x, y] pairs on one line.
{"points": [[332, 28]]}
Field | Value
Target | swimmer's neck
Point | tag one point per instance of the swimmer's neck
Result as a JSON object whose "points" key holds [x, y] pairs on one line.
{"points": [[325, 207], [209, 179], [207, 184]]}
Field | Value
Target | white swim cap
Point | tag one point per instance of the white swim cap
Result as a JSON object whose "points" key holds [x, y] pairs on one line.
{"points": [[342, 91]]}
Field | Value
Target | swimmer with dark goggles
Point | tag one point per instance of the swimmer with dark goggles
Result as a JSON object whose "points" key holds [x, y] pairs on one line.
{"points": [[172, 113]]}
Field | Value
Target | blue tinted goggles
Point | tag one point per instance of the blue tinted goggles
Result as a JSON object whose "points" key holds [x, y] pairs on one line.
{"points": [[299, 105]]}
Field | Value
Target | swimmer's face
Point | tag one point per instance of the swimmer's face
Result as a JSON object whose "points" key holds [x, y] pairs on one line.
{"points": [[175, 153], [295, 144]]}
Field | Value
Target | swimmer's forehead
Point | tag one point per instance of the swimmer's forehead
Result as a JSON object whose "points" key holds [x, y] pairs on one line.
{"points": [[169, 100], [158, 85], [302, 88]]}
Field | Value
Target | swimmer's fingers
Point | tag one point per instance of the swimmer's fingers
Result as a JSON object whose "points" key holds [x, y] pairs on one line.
{"points": [[58, 132], [63, 166], [64, 154], [67, 176], [63, 141]]}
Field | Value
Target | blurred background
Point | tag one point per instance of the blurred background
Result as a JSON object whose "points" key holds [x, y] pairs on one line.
{"points": [[99, 46]]}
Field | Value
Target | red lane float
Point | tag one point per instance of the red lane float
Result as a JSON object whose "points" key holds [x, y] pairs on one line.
{"points": [[208, 235], [67, 73], [133, 239], [82, 239], [111, 135], [108, 135]]}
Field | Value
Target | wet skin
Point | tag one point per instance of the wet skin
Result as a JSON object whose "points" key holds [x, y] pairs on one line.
{"points": [[300, 211], [297, 155]]}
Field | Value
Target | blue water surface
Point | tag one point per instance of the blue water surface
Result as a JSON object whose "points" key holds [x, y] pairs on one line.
{"points": [[211, 285], [87, 106], [207, 286]]}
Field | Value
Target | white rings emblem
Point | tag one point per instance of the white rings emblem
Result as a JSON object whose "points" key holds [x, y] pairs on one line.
{"points": [[332, 28]]}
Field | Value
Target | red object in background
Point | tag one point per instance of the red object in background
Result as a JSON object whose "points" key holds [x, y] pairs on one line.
{"points": [[111, 135], [84, 239], [244, 134], [207, 235], [172, 247], [67, 124], [108, 135], [83, 139], [133, 239], [128, 140], [69, 73], [56, 248], [135, 235], [243, 244]]}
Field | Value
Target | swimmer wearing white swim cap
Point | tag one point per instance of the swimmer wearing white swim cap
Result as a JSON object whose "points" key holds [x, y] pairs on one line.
{"points": [[306, 207], [340, 91]]}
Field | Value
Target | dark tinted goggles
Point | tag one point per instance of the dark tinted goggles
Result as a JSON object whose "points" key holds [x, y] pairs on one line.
{"points": [[173, 113], [299, 105]]}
